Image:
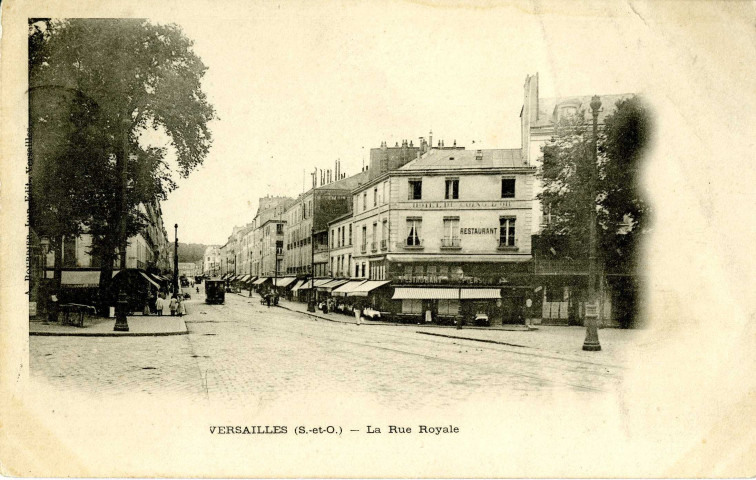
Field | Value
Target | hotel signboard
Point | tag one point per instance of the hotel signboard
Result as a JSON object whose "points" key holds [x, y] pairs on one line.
{"points": [[465, 204]]}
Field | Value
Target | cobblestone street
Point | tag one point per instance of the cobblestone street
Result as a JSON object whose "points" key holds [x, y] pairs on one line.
{"points": [[243, 349]]}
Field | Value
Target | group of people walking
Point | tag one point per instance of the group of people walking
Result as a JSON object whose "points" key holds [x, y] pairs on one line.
{"points": [[176, 305]]}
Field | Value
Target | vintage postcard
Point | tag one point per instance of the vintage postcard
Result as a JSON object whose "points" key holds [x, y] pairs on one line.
{"points": [[368, 239]]}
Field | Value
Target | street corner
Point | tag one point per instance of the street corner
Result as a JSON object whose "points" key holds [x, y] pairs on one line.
{"points": [[152, 325]]}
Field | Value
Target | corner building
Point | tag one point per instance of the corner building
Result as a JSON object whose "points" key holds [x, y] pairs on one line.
{"points": [[451, 231]]}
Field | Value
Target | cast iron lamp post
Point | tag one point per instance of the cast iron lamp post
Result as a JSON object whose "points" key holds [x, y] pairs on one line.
{"points": [[175, 260], [591, 342], [311, 303]]}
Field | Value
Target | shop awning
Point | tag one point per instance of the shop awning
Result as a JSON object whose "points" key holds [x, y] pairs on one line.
{"points": [[425, 293], [346, 288], [80, 279], [260, 281], [331, 285], [297, 285], [367, 287], [251, 279], [157, 278], [480, 293], [153, 282], [225, 275], [429, 293], [284, 282]]}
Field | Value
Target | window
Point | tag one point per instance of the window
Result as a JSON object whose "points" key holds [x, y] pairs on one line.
{"points": [[451, 232], [375, 196], [408, 270], [507, 188], [342, 236], [364, 238], [452, 189], [279, 229], [413, 232], [364, 201], [356, 270], [448, 307], [363, 269], [412, 306], [415, 190], [350, 234], [506, 232], [347, 265]]}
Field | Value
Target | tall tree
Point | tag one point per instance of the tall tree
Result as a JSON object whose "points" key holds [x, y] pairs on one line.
{"points": [[142, 78], [621, 209]]}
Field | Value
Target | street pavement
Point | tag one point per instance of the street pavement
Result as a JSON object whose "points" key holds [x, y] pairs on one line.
{"points": [[243, 349]]}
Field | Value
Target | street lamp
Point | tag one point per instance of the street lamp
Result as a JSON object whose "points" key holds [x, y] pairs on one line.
{"points": [[591, 342], [175, 260], [311, 303]]}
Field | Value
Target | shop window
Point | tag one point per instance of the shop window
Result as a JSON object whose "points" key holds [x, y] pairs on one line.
{"points": [[506, 232], [415, 190], [448, 307], [452, 189], [443, 271], [507, 188], [412, 306]]}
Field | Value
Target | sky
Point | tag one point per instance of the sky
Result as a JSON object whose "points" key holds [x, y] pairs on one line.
{"points": [[298, 85]]}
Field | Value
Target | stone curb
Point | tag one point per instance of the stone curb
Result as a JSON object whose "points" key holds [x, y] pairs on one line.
{"points": [[83, 333]]}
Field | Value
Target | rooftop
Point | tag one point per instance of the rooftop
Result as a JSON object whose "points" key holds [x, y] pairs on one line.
{"points": [[453, 159]]}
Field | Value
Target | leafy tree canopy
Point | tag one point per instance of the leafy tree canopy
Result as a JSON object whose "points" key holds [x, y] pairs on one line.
{"points": [[134, 77], [567, 196]]}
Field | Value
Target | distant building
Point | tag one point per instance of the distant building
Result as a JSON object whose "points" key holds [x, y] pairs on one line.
{"points": [[307, 221], [212, 261], [188, 270]]}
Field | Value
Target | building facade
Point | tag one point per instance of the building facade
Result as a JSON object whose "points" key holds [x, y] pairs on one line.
{"points": [[212, 261], [443, 223], [307, 221]]}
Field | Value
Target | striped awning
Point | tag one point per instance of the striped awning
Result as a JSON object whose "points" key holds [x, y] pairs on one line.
{"points": [[260, 281], [331, 285], [480, 293], [153, 282], [430, 293], [297, 285], [367, 287], [347, 287], [80, 279], [425, 293], [285, 281]]}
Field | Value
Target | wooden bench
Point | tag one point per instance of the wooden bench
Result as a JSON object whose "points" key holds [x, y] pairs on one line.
{"points": [[81, 309]]}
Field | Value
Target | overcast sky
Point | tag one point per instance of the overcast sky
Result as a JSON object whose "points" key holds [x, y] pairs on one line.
{"points": [[297, 86]]}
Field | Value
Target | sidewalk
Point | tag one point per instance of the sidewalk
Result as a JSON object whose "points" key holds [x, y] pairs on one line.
{"points": [[559, 341], [139, 326]]}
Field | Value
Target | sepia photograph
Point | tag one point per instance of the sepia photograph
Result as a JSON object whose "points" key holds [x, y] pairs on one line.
{"points": [[357, 239]]}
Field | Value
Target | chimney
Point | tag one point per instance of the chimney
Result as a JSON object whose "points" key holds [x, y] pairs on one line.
{"points": [[430, 139]]}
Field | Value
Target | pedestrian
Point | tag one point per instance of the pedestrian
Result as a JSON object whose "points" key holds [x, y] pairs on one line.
{"points": [[159, 305], [173, 305], [358, 315], [52, 309], [181, 309], [267, 299]]}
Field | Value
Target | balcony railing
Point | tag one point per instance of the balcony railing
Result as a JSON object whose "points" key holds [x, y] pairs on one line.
{"points": [[450, 242], [384, 244], [363, 248], [374, 246]]}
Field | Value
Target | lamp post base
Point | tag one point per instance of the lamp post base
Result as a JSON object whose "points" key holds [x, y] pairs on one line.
{"points": [[121, 324], [591, 343]]}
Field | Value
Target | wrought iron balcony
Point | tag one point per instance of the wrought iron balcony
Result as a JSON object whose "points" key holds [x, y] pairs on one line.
{"points": [[374, 246], [451, 242], [384, 244]]}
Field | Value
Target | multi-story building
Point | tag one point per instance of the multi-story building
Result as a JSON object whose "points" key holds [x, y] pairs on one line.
{"points": [[212, 261], [266, 239], [307, 222], [562, 280], [450, 230], [341, 246]]}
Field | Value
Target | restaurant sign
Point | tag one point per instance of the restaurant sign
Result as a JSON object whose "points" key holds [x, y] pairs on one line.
{"points": [[479, 231]]}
